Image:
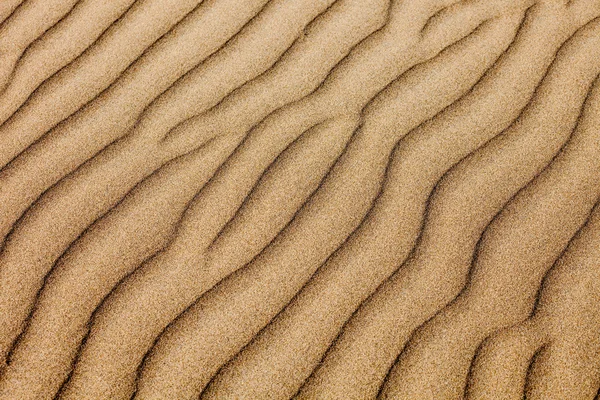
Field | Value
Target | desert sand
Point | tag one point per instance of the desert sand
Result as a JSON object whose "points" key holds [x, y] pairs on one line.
{"points": [[300, 199]]}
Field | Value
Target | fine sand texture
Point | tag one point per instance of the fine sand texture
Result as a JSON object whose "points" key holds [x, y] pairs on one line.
{"points": [[299, 199]]}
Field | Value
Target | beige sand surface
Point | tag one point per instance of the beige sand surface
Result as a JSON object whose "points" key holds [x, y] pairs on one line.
{"points": [[308, 199]]}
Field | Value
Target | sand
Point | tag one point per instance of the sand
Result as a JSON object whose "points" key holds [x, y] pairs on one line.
{"points": [[307, 199]]}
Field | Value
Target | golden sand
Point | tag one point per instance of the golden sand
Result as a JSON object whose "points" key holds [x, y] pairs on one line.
{"points": [[308, 199]]}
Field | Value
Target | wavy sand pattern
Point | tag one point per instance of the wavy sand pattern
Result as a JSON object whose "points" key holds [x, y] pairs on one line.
{"points": [[307, 199]]}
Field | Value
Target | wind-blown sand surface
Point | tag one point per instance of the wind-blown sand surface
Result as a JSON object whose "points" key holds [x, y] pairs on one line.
{"points": [[308, 199]]}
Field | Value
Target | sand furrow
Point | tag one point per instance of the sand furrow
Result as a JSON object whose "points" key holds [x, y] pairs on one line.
{"points": [[155, 122], [275, 257], [294, 339], [43, 164], [78, 192], [142, 352], [56, 48], [129, 304], [569, 366], [300, 71], [123, 161], [103, 257], [8, 7], [315, 199], [30, 20], [73, 87], [508, 261], [377, 324]]}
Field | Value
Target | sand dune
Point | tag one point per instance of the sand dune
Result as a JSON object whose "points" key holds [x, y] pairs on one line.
{"points": [[312, 199]]}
